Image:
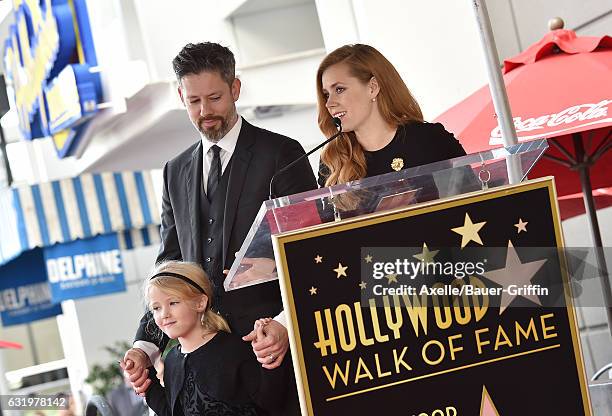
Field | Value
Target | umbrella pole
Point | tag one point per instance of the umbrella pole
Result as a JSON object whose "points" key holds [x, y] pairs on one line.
{"points": [[591, 214], [498, 88]]}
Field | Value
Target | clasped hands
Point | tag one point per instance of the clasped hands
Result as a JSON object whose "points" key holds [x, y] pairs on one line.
{"points": [[135, 366], [270, 342]]}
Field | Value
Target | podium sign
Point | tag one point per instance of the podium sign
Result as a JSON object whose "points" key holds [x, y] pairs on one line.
{"points": [[498, 337]]}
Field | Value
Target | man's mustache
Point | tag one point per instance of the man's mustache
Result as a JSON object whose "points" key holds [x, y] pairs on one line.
{"points": [[209, 118]]}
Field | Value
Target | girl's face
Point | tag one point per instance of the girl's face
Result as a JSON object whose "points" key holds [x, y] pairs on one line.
{"points": [[175, 316], [347, 97]]}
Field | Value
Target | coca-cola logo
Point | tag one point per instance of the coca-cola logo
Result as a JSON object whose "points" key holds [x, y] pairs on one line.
{"points": [[575, 116]]}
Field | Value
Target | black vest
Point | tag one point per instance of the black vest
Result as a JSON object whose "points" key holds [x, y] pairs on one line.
{"points": [[212, 227]]}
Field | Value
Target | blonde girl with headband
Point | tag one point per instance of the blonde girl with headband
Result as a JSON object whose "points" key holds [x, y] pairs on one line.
{"points": [[211, 369]]}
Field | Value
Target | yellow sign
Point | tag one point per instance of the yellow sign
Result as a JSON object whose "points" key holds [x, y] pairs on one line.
{"points": [[47, 59]]}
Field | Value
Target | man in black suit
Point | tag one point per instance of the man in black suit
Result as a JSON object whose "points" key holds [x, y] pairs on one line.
{"points": [[212, 193]]}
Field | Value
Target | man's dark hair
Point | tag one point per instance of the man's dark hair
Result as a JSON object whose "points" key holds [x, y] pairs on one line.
{"points": [[206, 56]]}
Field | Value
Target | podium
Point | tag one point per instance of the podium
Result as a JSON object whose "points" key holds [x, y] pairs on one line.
{"points": [[438, 290]]}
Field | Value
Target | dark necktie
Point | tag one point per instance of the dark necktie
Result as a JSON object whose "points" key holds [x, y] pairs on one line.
{"points": [[214, 175]]}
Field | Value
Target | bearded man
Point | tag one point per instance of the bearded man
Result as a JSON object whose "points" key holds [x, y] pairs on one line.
{"points": [[212, 193]]}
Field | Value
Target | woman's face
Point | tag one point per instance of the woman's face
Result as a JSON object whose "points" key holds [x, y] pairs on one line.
{"points": [[347, 97]]}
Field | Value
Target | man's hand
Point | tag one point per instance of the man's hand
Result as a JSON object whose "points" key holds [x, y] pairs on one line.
{"points": [[270, 342], [260, 268], [135, 365]]}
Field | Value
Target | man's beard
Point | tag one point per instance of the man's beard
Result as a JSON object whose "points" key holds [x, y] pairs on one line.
{"points": [[216, 133]]}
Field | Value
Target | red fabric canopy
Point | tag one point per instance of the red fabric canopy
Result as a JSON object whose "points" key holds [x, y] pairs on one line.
{"points": [[556, 87]]}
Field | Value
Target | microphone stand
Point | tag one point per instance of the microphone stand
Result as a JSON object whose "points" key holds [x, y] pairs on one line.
{"points": [[338, 124]]}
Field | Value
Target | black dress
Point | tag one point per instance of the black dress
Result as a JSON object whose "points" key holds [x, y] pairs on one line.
{"points": [[220, 378], [415, 143]]}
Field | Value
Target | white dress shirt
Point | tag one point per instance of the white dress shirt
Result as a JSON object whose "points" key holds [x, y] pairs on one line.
{"points": [[227, 145]]}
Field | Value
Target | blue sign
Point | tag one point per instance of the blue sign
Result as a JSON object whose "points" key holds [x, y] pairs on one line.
{"points": [[25, 295], [50, 60], [84, 268]]}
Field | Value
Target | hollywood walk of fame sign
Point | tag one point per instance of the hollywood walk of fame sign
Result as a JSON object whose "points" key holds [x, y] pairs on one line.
{"points": [[500, 339]]}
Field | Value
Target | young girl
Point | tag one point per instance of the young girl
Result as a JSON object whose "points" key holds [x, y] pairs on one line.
{"points": [[210, 371]]}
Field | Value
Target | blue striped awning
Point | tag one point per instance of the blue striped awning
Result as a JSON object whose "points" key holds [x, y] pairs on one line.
{"points": [[60, 211]]}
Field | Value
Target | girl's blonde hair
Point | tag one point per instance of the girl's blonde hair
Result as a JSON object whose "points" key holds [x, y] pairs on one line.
{"points": [[211, 321], [344, 156]]}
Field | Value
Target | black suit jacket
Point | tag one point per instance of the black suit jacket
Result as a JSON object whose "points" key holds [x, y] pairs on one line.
{"points": [[258, 155]]}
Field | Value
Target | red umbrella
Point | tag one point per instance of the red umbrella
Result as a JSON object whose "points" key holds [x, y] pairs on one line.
{"points": [[561, 89]]}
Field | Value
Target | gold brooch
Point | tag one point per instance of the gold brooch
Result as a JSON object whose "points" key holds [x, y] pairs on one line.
{"points": [[397, 164]]}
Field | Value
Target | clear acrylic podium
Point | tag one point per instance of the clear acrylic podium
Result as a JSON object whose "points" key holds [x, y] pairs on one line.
{"points": [[396, 190]]}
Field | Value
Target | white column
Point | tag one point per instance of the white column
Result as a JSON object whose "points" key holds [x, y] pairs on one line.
{"points": [[74, 351], [4, 389], [338, 23]]}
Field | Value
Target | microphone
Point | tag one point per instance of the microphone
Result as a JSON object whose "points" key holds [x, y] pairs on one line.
{"points": [[338, 124]]}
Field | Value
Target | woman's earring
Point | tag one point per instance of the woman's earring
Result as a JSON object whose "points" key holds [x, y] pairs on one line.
{"points": [[374, 99], [202, 319]]}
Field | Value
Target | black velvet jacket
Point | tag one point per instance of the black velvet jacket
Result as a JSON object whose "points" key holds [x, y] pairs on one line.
{"points": [[221, 378]]}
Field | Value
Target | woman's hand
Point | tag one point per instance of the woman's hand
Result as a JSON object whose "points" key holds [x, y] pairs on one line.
{"points": [[256, 269]]}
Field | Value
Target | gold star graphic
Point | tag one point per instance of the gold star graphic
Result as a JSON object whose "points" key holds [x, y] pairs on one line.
{"points": [[341, 271], [521, 226], [318, 259], [469, 231], [391, 278], [368, 258], [426, 256], [363, 285], [487, 407], [313, 291], [515, 273]]}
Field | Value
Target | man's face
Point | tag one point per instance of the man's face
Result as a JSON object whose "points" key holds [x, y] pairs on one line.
{"points": [[210, 103]]}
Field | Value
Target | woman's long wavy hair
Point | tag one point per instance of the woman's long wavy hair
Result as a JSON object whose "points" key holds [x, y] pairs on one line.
{"points": [[344, 156]]}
